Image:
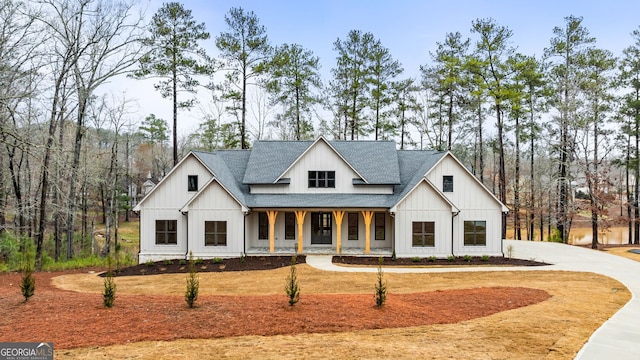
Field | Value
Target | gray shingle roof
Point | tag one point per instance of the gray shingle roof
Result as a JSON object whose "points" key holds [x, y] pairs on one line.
{"points": [[378, 162]]}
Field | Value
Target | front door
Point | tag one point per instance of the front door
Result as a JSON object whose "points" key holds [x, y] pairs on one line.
{"points": [[320, 228]]}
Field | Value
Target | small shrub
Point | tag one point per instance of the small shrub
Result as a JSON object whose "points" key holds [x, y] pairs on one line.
{"points": [[431, 258], [193, 283], [415, 259], [467, 258], [292, 288], [451, 258], [28, 285], [168, 262], [182, 262], [149, 263], [510, 251], [109, 292], [485, 258], [381, 286], [555, 236], [199, 261], [217, 260]]}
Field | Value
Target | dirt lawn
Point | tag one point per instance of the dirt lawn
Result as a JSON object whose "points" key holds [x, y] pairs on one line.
{"points": [[492, 315]]}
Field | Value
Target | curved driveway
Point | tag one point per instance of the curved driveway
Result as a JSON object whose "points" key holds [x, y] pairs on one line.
{"points": [[618, 338]]}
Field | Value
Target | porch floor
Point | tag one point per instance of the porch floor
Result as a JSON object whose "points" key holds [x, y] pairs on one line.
{"points": [[322, 251]]}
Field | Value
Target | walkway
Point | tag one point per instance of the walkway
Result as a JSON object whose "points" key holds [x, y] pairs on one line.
{"points": [[617, 338]]}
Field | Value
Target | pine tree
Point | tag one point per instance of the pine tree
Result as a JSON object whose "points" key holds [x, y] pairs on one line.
{"points": [[381, 285], [193, 283], [28, 285], [173, 41], [109, 293], [292, 287]]}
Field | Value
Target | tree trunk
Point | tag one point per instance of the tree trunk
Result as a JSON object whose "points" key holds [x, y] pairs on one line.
{"points": [[82, 105], [480, 143], [629, 193], [532, 196], [44, 183], [516, 187], [502, 178]]}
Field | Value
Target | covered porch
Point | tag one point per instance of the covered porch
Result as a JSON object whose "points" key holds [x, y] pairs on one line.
{"points": [[319, 231]]}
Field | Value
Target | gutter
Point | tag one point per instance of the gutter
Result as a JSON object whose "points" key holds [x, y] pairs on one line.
{"points": [[186, 256], [452, 232]]}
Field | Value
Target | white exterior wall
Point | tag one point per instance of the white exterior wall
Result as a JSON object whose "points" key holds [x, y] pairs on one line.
{"points": [[215, 204], [423, 204], [475, 204], [163, 204], [149, 251]]}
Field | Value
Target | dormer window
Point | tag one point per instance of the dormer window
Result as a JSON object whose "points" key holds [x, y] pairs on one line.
{"points": [[447, 183], [192, 183], [322, 179]]}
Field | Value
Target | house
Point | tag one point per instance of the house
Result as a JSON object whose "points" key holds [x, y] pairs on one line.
{"points": [[356, 197]]}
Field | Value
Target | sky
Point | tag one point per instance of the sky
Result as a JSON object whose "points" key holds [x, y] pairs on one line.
{"points": [[410, 29]]}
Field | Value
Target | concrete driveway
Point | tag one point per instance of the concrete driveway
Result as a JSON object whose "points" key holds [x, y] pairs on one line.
{"points": [[618, 338]]}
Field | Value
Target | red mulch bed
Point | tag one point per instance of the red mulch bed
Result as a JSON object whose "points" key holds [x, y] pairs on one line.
{"points": [[73, 320]]}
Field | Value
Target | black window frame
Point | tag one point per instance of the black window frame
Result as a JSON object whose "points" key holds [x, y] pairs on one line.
{"points": [[379, 226], [192, 183], [447, 183], [212, 238], [473, 237], [423, 234], [263, 226], [353, 226], [325, 179], [168, 233], [289, 225]]}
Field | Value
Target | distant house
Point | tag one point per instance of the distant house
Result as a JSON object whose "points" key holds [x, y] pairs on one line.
{"points": [[359, 197]]}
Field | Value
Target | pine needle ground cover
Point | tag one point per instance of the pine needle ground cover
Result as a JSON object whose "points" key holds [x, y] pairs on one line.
{"points": [[245, 314]]}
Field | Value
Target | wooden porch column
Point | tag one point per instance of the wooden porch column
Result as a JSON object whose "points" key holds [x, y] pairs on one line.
{"points": [[368, 215], [338, 215], [300, 220], [272, 229]]}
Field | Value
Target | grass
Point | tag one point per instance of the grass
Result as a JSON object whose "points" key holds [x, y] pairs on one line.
{"points": [[129, 243], [554, 329]]}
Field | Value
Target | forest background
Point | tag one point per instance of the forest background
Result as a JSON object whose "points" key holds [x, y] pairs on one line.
{"points": [[98, 96]]}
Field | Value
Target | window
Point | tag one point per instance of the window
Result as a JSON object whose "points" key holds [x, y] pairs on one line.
{"points": [[192, 183], [215, 233], [423, 233], [352, 219], [475, 233], [380, 219], [166, 232], [263, 226], [447, 183], [322, 179], [289, 226]]}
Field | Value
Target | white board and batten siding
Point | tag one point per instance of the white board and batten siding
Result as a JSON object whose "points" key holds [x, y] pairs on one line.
{"points": [[475, 204], [423, 204], [321, 157], [215, 204], [163, 204]]}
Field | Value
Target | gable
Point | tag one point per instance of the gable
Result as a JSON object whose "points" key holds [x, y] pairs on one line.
{"points": [[425, 197], [320, 157], [172, 191], [468, 193], [213, 196]]}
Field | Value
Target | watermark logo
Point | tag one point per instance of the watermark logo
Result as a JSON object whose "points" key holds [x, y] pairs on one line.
{"points": [[26, 351]]}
